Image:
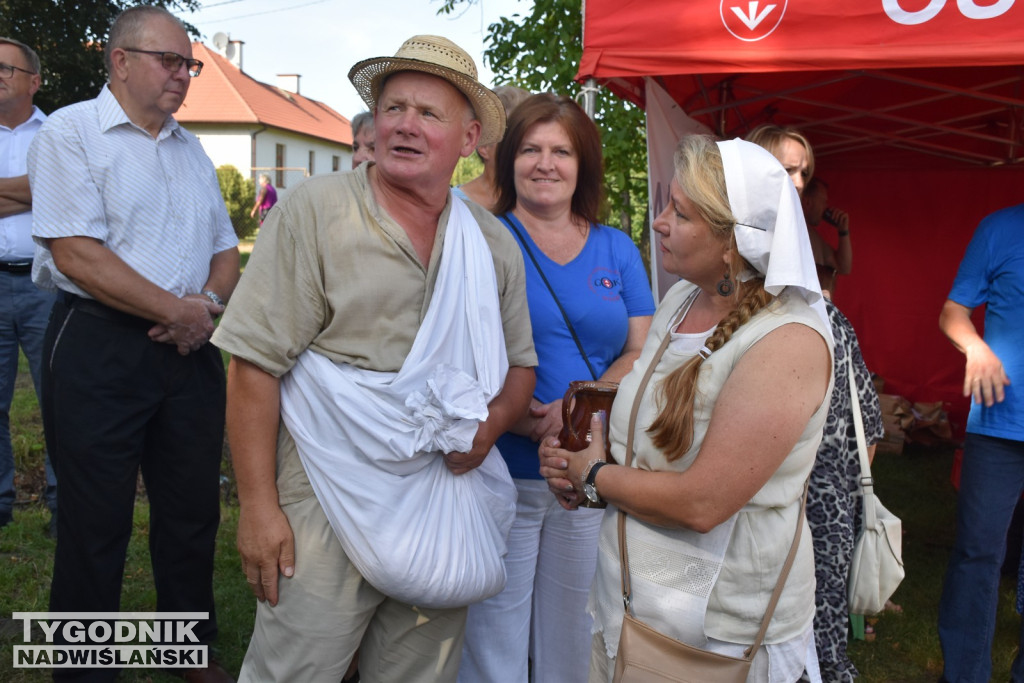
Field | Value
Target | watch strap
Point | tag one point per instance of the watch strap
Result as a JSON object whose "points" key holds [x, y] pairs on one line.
{"points": [[592, 474]]}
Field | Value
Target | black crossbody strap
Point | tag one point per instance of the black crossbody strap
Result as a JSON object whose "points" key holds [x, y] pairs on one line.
{"points": [[565, 316]]}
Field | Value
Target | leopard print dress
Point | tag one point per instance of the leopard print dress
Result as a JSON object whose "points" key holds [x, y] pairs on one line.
{"points": [[833, 501]]}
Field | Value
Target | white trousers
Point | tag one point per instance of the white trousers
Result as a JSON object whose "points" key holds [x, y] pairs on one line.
{"points": [[541, 613]]}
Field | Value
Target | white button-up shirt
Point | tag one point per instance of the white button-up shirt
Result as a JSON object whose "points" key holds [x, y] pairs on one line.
{"points": [[16, 230], [155, 203]]}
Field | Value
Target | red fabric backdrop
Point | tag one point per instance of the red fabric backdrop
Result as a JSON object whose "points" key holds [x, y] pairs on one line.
{"points": [[914, 108], [910, 230]]}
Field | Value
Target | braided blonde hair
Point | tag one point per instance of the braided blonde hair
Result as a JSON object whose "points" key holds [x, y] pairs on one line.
{"points": [[701, 176]]}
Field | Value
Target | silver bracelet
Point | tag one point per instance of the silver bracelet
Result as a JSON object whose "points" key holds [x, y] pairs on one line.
{"points": [[214, 297]]}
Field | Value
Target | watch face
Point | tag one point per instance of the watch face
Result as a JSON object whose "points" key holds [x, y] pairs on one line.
{"points": [[591, 492]]}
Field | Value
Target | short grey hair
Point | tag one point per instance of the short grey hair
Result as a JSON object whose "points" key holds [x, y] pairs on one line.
{"points": [[361, 120], [511, 96], [128, 27], [28, 53]]}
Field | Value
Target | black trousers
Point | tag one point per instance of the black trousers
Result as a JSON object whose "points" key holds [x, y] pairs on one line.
{"points": [[114, 402]]}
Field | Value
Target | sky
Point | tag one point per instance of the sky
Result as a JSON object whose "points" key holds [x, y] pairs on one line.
{"points": [[322, 39]]}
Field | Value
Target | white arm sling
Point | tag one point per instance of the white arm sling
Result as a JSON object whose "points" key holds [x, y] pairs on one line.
{"points": [[372, 442]]}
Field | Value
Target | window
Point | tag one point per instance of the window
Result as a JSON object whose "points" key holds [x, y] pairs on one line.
{"points": [[335, 163], [312, 162], [279, 162]]}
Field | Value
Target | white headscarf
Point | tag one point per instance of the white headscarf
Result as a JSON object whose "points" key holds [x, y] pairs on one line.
{"points": [[770, 230]]}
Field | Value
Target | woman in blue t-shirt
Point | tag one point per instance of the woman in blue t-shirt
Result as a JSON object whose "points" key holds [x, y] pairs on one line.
{"points": [[549, 178]]}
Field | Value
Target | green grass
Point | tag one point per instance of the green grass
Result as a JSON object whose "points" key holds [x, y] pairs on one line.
{"points": [[26, 554], [915, 486]]}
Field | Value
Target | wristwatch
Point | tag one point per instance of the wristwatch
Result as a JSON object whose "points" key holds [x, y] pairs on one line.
{"points": [[213, 296], [589, 487]]}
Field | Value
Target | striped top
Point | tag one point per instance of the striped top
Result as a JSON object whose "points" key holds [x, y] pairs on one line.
{"points": [[16, 230], [155, 203]]}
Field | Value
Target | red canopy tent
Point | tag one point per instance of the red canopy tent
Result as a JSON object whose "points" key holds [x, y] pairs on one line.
{"points": [[915, 109]]}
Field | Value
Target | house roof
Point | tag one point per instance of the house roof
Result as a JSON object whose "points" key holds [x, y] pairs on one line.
{"points": [[223, 93]]}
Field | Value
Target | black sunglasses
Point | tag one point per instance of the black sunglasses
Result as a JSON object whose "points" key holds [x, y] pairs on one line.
{"points": [[172, 61]]}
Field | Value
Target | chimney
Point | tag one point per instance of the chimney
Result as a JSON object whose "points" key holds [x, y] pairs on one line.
{"points": [[289, 82], [234, 53]]}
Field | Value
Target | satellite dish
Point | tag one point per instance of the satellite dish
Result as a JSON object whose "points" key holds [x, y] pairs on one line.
{"points": [[220, 40], [230, 51]]}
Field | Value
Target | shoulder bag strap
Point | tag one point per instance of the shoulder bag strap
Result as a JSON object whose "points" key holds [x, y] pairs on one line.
{"points": [[565, 316], [867, 482], [623, 551]]}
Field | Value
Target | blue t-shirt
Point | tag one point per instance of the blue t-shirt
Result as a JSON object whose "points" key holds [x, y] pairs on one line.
{"points": [[992, 273], [600, 289]]}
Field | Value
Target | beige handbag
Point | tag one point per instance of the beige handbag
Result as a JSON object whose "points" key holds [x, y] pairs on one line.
{"points": [[648, 656]]}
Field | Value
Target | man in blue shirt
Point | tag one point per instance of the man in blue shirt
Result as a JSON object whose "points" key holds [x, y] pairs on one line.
{"points": [[992, 477]]}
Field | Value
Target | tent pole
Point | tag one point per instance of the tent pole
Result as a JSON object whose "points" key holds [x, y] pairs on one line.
{"points": [[589, 95]]}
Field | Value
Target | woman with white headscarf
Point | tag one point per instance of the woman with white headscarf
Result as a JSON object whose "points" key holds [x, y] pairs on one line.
{"points": [[726, 428]]}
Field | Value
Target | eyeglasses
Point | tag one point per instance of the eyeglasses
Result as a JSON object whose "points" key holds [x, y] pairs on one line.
{"points": [[172, 61], [7, 70]]}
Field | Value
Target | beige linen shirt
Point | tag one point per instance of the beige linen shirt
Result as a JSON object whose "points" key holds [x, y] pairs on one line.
{"points": [[333, 272]]}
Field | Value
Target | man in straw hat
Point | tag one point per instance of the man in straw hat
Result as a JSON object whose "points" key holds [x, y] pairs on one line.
{"points": [[364, 289]]}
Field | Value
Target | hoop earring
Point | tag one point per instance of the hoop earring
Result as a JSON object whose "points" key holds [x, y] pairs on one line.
{"points": [[725, 286]]}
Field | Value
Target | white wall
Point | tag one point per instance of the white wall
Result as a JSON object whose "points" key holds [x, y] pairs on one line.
{"points": [[225, 145], [296, 156], [232, 144]]}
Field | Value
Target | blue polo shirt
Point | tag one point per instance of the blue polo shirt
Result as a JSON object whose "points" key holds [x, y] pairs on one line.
{"points": [[600, 289], [992, 273]]}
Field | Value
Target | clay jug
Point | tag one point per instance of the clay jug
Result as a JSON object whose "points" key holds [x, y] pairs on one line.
{"points": [[581, 401]]}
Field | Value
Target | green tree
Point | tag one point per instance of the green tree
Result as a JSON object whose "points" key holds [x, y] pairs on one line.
{"points": [[239, 195], [69, 38], [541, 52], [467, 169]]}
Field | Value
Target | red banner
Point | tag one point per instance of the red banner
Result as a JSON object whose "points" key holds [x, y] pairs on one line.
{"points": [[634, 38]]}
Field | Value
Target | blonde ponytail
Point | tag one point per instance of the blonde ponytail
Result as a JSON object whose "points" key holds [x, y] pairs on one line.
{"points": [[672, 431]]}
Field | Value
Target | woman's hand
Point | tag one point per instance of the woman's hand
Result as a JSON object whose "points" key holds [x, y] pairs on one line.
{"points": [[554, 463], [548, 418], [563, 469]]}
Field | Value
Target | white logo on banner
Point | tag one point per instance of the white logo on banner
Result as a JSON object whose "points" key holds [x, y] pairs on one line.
{"points": [[751, 21], [968, 8]]}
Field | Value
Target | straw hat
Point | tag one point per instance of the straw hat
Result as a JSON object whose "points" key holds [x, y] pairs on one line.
{"points": [[439, 57]]}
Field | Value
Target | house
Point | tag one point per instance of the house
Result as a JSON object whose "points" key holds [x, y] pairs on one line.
{"points": [[261, 128]]}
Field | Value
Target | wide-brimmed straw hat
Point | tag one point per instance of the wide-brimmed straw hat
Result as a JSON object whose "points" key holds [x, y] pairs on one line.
{"points": [[439, 57]]}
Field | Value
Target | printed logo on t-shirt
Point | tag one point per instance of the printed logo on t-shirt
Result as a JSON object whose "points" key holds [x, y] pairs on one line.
{"points": [[606, 283]]}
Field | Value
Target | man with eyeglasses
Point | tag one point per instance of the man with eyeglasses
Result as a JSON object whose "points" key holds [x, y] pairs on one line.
{"points": [[24, 308], [137, 242]]}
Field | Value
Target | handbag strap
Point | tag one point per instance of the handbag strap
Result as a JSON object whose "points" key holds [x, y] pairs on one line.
{"points": [[623, 550], [867, 482], [565, 316]]}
